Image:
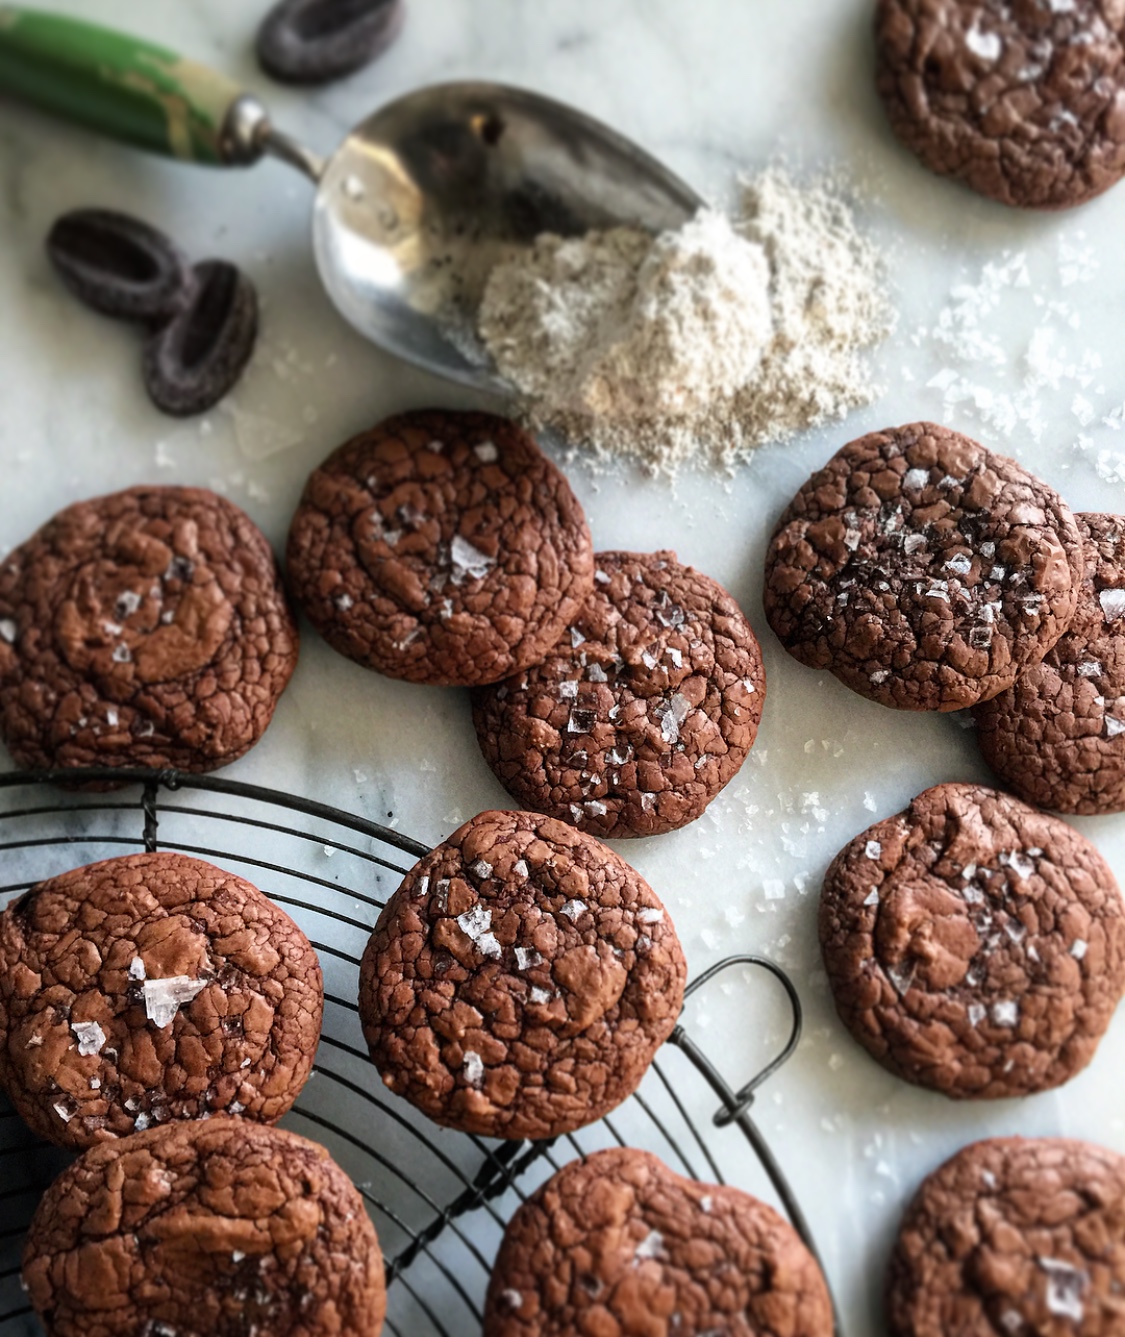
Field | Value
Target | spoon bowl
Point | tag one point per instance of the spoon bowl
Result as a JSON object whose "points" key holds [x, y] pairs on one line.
{"points": [[412, 211], [426, 195]]}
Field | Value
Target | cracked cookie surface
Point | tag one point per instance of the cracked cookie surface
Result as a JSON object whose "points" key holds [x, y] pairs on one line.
{"points": [[148, 989], [144, 628], [1057, 736], [217, 1229], [440, 547], [922, 570], [1020, 1236], [641, 713], [520, 980], [973, 944], [1023, 100], [617, 1243]]}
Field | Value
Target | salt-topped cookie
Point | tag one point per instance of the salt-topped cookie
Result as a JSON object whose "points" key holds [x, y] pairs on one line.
{"points": [[641, 713], [973, 944], [1024, 101], [922, 570], [1020, 1236], [520, 980], [440, 547], [149, 989], [618, 1243], [145, 628], [1056, 737]]}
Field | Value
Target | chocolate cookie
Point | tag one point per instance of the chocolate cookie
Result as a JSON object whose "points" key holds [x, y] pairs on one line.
{"points": [[440, 547], [1024, 101], [223, 1228], [922, 570], [1057, 737], [641, 713], [1014, 1236], [618, 1244], [520, 980], [974, 945], [146, 628], [150, 988]]}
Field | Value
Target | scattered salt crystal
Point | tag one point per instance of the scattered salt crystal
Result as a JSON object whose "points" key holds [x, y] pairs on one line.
{"points": [[1089, 668], [1005, 1013], [1078, 948], [237, 1256], [141, 1122], [869, 801], [986, 45], [1113, 604], [63, 1113], [576, 638], [873, 849], [468, 561], [705, 1203], [574, 910], [527, 957], [649, 914], [652, 1246], [474, 1067], [7, 630], [902, 977], [595, 808], [481, 868], [90, 1037], [95, 1083], [521, 869], [122, 654], [1065, 1287], [568, 690], [872, 897], [671, 714], [136, 969], [977, 1013], [601, 577], [538, 995], [960, 564], [164, 997], [916, 478], [581, 721], [486, 452], [513, 1299], [595, 673], [1018, 862], [475, 924]]}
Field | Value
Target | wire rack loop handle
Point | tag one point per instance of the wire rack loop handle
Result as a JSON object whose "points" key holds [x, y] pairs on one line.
{"points": [[736, 1103]]}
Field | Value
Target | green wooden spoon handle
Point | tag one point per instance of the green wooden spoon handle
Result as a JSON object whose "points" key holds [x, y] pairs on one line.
{"points": [[117, 85]]}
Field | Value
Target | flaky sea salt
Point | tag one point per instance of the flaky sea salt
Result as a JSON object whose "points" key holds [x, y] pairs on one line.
{"points": [[163, 998], [90, 1037], [475, 924]]}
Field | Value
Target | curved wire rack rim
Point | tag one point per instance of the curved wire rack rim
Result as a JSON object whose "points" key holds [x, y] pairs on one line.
{"points": [[80, 782]]}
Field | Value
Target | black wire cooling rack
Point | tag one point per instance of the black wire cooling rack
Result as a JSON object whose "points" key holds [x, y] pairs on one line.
{"points": [[439, 1199]]}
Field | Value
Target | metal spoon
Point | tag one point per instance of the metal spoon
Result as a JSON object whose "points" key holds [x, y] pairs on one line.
{"points": [[411, 211]]}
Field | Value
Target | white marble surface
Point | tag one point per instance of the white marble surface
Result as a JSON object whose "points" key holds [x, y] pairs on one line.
{"points": [[713, 87]]}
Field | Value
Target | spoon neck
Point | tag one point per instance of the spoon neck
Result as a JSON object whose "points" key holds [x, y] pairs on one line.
{"points": [[248, 134]]}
